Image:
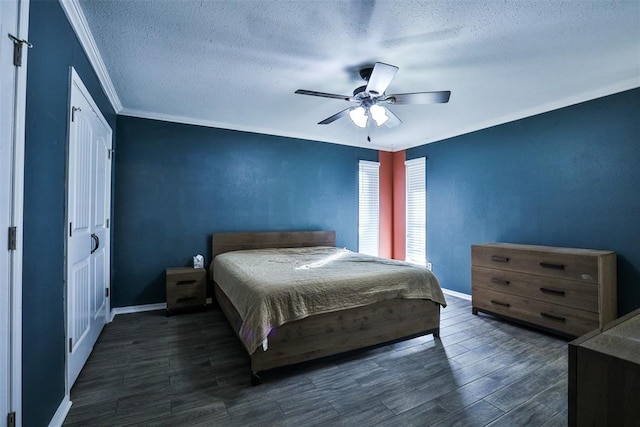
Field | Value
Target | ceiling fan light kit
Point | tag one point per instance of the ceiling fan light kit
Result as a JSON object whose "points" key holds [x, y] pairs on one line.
{"points": [[358, 116], [371, 98], [378, 114]]}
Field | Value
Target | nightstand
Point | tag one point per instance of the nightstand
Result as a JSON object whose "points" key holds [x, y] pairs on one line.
{"points": [[186, 288]]}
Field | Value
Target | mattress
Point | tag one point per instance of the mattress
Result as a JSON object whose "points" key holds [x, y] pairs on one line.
{"points": [[270, 287]]}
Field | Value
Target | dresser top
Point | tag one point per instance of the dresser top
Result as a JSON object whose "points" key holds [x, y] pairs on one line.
{"points": [[621, 341], [553, 249]]}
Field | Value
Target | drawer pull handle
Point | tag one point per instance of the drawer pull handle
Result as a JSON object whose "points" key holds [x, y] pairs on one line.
{"points": [[497, 281], [552, 291], [504, 304], [186, 299], [553, 317], [185, 282], [498, 258], [552, 266]]}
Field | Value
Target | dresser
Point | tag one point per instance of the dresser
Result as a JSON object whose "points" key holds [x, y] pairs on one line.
{"points": [[564, 290], [186, 288], [604, 375]]}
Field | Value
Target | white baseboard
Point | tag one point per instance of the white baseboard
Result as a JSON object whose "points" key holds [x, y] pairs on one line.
{"points": [[137, 309], [456, 294], [61, 413]]}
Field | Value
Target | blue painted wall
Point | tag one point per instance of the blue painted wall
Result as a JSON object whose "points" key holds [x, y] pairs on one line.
{"points": [[56, 48], [570, 177], [176, 184]]}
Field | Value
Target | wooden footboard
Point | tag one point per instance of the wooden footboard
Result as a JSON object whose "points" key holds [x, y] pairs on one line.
{"points": [[337, 332]]}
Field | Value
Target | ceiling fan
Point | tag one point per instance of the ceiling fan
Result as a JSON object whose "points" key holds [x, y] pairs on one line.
{"points": [[371, 99]]}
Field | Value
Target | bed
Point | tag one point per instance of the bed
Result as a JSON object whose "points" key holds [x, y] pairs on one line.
{"points": [[300, 328]]}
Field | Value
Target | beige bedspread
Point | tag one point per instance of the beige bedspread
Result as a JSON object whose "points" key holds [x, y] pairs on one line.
{"points": [[270, 287]]}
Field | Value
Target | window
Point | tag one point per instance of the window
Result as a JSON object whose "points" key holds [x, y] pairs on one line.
{"points": [[416, 186], [369, 205]]}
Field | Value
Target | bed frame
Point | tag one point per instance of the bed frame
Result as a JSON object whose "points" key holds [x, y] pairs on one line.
{"points": [[328, 333]]}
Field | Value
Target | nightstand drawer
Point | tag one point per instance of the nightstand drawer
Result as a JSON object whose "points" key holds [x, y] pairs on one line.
{"points": [[566, 320], [181, 277], [186, 297], [580, 295], [578, 265]]}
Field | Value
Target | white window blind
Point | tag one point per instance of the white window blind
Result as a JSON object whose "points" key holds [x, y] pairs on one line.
{"points": [[368, 207], [416, 194]]}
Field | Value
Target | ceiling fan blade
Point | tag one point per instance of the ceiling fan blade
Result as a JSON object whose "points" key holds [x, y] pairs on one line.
{"points": [[441, 97], [335, 117], [381, 77], [324, 94], [393, 119]]}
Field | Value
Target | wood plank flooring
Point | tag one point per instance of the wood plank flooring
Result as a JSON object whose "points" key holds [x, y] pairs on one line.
{"points": [[151, 370]]}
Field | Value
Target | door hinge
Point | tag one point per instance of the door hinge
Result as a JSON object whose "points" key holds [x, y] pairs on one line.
{"points": [[106, 292], [70, 229], [13, 233], [107, 223], [17, 49], [110, 153], [70, 345], [73, 113], [11, 419]]}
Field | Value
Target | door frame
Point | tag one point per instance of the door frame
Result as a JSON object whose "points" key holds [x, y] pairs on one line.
{"points": [[21, 17], [75, 80]]}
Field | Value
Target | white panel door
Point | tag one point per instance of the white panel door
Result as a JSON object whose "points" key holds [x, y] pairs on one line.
{"points": [[13, 21], [100, 203], [88, 243], [8, 11]]}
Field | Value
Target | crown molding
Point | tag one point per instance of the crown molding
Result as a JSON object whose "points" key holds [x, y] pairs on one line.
{"points": [[580, 98], [79, 24], [617, 87], [143, 114]]}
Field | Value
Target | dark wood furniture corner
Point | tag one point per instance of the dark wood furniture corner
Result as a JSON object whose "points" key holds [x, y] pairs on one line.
{"points": [[186, 288], [604, 375]]}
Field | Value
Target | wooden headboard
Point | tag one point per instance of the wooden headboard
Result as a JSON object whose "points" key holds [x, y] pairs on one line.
{"points": [[227, 242]]}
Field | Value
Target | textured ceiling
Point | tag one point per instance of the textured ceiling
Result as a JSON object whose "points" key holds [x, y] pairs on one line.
{"points": [[236, 64]]}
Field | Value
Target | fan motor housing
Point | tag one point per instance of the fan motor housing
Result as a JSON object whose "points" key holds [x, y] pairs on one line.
{"points": [[365, 73], [357, 91]]}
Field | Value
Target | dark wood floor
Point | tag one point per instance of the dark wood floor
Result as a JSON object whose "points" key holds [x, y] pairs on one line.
{"points": [[148, 369]]}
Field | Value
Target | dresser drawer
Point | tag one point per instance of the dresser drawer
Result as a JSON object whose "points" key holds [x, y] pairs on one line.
{"points": [[580, 295], [574, 264], [566, 320]]}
